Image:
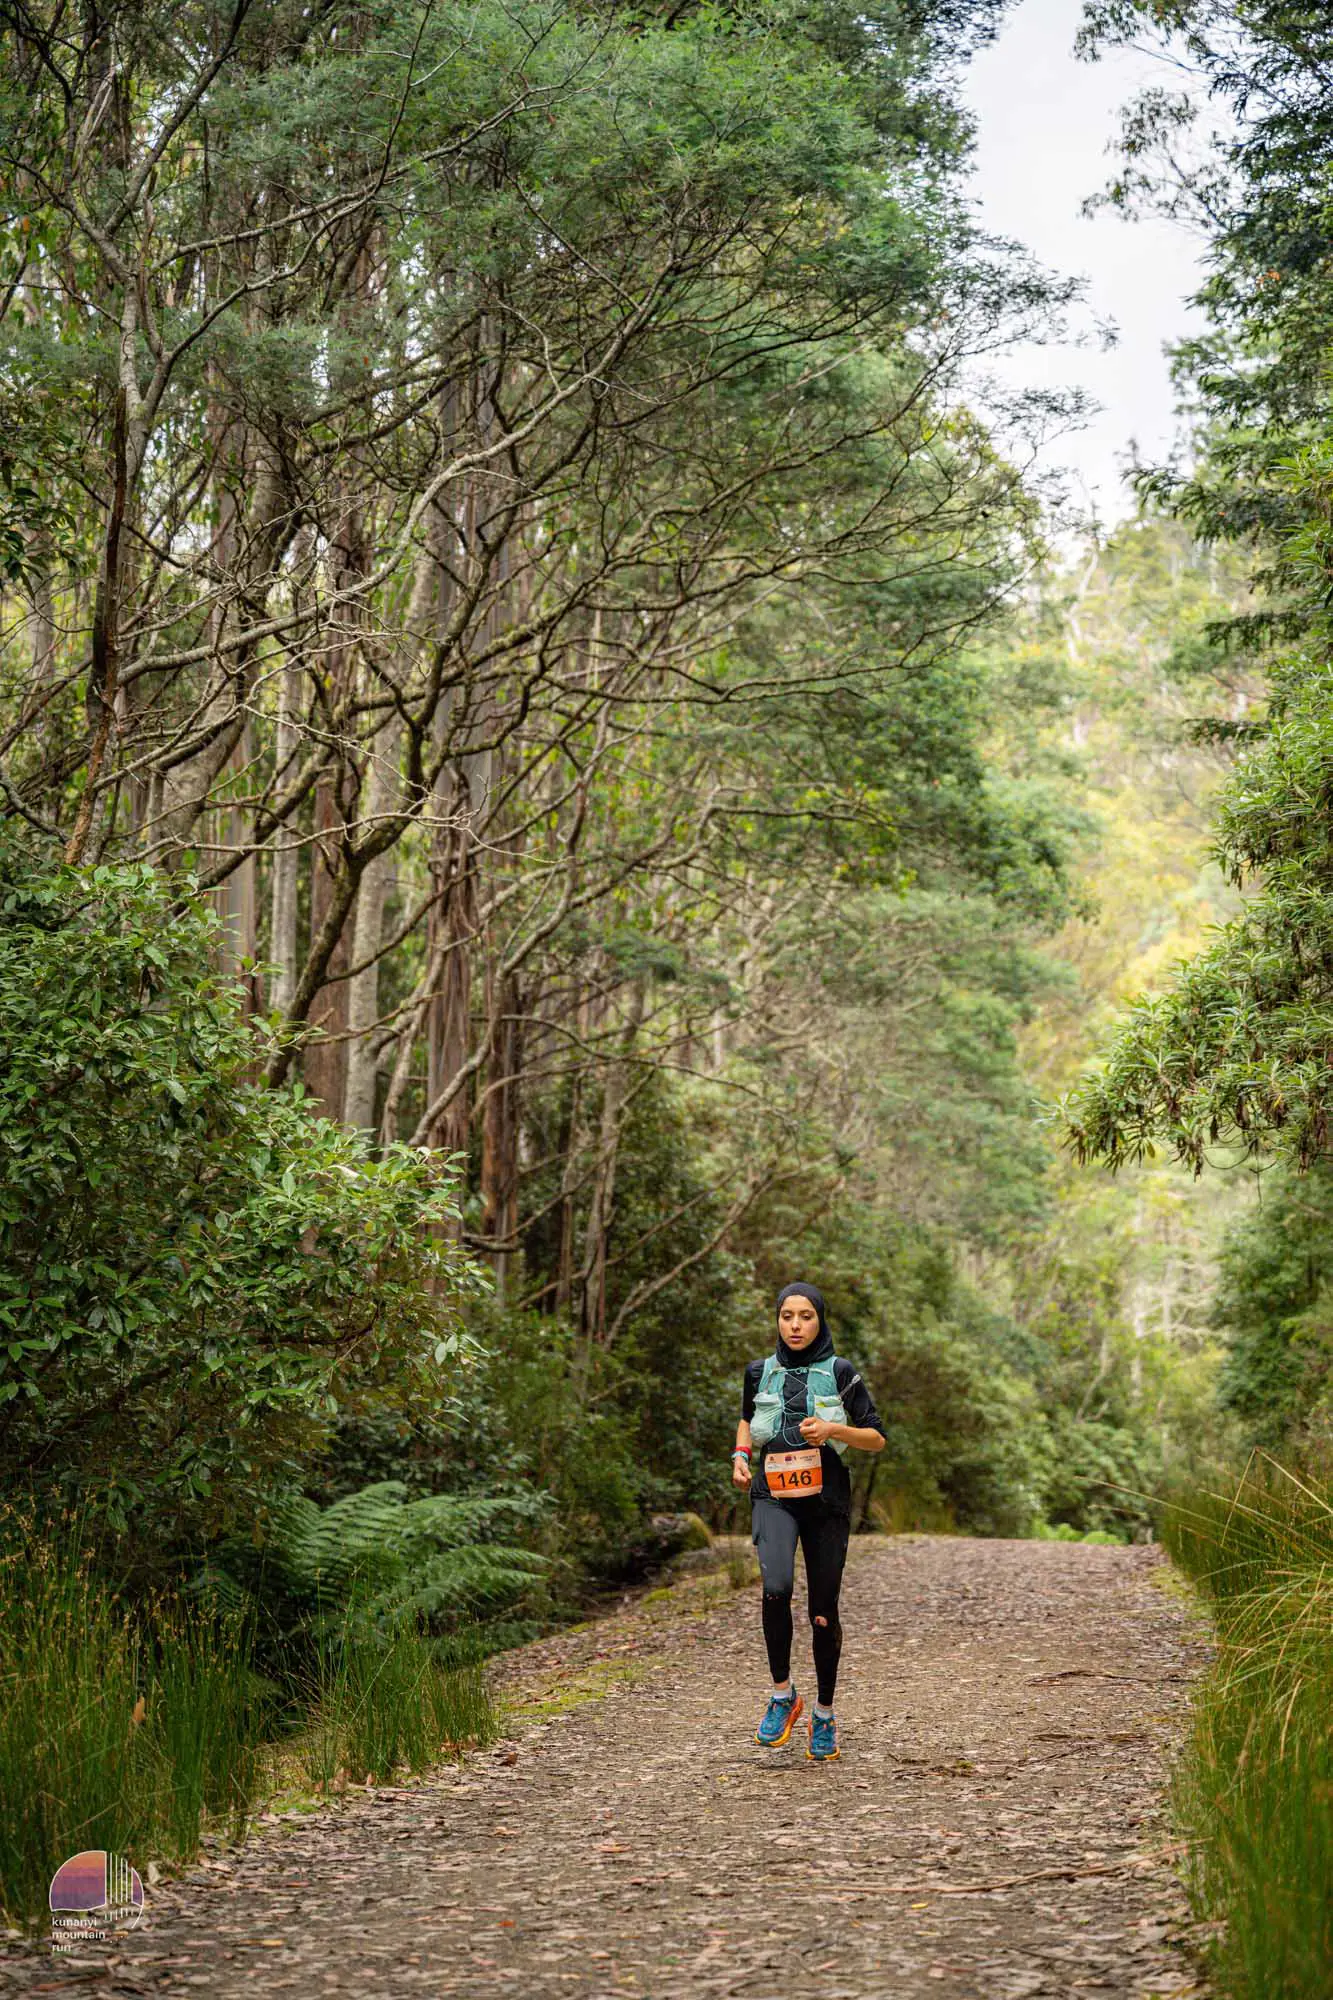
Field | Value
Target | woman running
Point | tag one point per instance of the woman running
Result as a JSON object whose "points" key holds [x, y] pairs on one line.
{"points": [[801, 1409]]}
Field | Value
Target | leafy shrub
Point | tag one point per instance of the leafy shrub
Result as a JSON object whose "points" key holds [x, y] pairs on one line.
{"points": [[368, 1617], [196, 1273], [1092, 1467], [556, 1417], [963, 1440], [1275, 1302]]}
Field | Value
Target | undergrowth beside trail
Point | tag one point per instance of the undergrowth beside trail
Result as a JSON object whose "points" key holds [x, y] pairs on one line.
{"points": [[136, 1725], [1253, 1793]]}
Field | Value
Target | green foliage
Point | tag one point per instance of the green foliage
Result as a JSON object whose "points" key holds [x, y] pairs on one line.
{"points": [[120, 1727], [963, 1445], [35, 517], [375, 1562], [381, 1702], [1256, 179], [560, 1419], [1095, 1473], [1234, 1054], [1062, 1532], [1253, 1794], [1274, 1302], [194, 1271], [601, 1431], [139, 1724]]}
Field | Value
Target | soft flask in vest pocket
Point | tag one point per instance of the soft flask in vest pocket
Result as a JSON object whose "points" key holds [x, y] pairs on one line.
{"points": [[821, 1400]]}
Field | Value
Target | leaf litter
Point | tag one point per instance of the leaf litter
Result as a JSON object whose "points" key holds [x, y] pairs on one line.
{"points": [[989, 1833]]}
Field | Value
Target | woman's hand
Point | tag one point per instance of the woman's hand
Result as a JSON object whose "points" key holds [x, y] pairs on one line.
{"points": [[815, 1430], [740, 1472]]}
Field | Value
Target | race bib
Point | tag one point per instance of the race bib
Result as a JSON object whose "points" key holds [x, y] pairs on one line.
{"points": [[794, 1475]]}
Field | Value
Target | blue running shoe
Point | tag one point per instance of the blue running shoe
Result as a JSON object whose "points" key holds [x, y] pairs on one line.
{"points": [[779, 1721], [823, 1744]]}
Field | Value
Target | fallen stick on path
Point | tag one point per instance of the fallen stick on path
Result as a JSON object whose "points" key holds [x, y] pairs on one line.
{"points": [[1077, 1673], [1005, 1881]]}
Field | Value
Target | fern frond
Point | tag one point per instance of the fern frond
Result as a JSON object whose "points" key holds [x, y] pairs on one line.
{"points": [[457, 1520], [468, 1581], [212, 1584], [379, 1558]]}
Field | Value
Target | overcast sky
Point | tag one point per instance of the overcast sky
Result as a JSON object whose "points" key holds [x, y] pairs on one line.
{"points": [[1044, 124]]}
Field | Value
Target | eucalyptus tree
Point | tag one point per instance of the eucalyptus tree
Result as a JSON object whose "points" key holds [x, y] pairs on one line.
{"points": [[467, 438], [1233, 1055]]}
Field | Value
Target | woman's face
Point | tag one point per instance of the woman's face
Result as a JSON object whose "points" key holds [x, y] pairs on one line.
{"points": [[798, 1322]]}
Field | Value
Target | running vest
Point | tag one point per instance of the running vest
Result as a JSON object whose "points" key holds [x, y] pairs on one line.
{"points": [[822, 1399]]}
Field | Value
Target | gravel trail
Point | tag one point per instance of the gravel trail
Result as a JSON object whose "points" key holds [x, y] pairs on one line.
{"points": [[994, 1830]]}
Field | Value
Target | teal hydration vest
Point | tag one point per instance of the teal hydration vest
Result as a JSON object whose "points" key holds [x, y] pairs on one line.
{"points": [[822, 1399]]}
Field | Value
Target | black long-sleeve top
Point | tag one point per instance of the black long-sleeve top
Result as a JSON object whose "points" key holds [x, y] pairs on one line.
{"points": [[859, 1405]]}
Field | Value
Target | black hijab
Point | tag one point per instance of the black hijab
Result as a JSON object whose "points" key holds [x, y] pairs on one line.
{"points": [[821, 1347]]}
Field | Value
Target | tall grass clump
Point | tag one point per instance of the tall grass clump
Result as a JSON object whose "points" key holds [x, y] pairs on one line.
{"points": [[1254, 1791], [121, 1726], [137, 1724], [380, 1700], [373, 1615]]}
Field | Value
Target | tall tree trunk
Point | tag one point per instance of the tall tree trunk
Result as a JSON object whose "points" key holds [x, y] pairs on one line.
{"points": [[461, 803], [223, 828], [127, 443], [180, 792], [569, 1176], [500, 1122], [453, 924], [112, 591], [424, 615], [364, 986], [236, 899], [337, 794], [286, 864], [324, 1063], [601, 1211], [42, 626]]}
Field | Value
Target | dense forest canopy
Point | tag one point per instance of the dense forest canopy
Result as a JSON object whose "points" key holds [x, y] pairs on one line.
{"points": [[461, 435], [1236, 1054], [551, 777], [1231, 1059]]}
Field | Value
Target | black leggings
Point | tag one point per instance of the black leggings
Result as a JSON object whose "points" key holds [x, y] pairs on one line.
{"points": [[775, 1530]]}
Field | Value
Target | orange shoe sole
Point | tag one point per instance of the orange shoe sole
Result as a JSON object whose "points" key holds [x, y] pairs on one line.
{"points": [[779, 1742]]}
